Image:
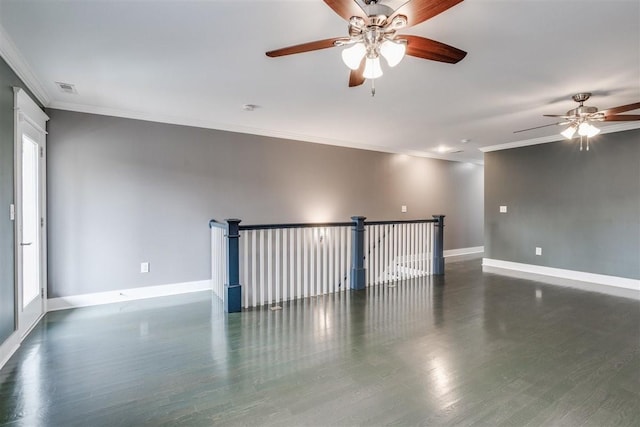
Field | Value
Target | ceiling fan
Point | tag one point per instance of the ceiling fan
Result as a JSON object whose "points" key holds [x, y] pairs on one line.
{"points": [[373, 26], [580, 118]]}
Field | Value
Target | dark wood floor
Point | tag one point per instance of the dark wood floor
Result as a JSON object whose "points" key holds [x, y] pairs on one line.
{"points": [[469, 349]]}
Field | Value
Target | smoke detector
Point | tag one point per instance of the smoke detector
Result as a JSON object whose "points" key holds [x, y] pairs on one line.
{"points": [[67, 87]]}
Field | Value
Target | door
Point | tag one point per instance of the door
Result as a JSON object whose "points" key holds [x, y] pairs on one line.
{"points": [[30, 226]]}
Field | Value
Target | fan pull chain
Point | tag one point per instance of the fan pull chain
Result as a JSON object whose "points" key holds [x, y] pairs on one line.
{"points": [[580, 142], [373, 87]]}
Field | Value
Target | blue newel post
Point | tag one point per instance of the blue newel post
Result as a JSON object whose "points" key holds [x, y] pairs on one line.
{"points": [[438, 246], [358, 272], [233, 290]]}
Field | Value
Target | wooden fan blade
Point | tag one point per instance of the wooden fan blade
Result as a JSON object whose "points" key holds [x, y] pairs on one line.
{"points": [[622, 118], [346, 8], [418, 11], [620, 109], [543, 126], [305, 47], [356, 78], [421, 47], [557, 115]]}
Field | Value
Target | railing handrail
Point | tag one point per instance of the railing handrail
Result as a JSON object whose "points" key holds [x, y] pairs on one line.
{"points": [[407, 221], [297, 225], [214, 223]]}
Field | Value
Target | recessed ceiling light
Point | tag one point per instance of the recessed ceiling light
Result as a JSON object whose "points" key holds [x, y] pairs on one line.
{"points": [[443, 149], [465, 141], [249, 107], [67, 87]]}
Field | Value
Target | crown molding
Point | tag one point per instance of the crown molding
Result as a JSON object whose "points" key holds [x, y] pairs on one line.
{"points": [[618, 127], [206, 124], [10, 53]]}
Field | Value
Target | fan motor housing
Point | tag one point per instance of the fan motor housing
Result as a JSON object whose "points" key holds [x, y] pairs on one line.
{"points": [[583, 110]]}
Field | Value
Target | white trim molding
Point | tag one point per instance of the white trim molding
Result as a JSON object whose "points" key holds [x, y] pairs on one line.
{"points": [[20, 66], [99, 298], [572, 278], [8, 347], [618, 127], [464, 253], [29, 111]]}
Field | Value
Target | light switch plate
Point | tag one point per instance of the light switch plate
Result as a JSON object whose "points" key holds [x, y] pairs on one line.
{"points": [[404, 208], [538, 251], [503, 209], [144, 267]]}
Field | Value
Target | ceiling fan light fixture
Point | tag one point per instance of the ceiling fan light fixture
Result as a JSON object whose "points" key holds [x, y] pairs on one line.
{"points": [[588, 130], [594, 131], [393, 51], [352, 56], [569, 132], [372, 69]]}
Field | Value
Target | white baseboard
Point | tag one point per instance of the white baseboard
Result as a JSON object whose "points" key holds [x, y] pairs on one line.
{"points": [[559, 276], [85, 300], [9, 347], [474, 250]]}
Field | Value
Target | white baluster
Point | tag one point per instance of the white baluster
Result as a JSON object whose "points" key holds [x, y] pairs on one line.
{"points": [[277, 279], [285, 259], [421, 249], [336, 245], [376, 252], [396, 233], [269, 266], [332, 259], [245, 267], [263, 270], [325, 260], [291, 266], [313, 263], [254, 269], [343, 261], [305, 261], [348, 258], [414, 250], [430, 252], [299, 250]]}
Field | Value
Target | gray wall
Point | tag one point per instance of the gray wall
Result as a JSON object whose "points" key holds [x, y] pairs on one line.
{"points": [[8, 80], [581, 208], [125, 191]]}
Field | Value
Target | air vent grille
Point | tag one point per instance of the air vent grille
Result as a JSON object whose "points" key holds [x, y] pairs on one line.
{"points": [[66, 87]]}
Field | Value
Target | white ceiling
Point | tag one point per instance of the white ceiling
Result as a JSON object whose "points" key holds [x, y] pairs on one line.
{"points": [[198, 62]]}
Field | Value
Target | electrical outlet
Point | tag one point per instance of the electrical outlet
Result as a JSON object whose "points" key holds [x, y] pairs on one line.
{"points": [[538, 251], [503, 209], [404, 208], [144, 267]]}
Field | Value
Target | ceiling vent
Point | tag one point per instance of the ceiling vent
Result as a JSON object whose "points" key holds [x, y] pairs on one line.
{"points": [[67, 87]]}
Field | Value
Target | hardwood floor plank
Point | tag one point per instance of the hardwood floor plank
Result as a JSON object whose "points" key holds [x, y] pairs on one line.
{"points": [[464, 349]]}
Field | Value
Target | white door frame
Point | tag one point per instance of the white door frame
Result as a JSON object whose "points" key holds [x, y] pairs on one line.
{"points": [[29, 120]]}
